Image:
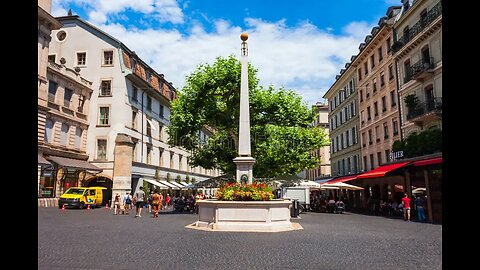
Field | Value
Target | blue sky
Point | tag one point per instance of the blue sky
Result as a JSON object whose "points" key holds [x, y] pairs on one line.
{"points": [[300, 45]]}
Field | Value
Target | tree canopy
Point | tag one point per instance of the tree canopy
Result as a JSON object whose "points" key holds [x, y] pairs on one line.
{"points": [[280, 122]]}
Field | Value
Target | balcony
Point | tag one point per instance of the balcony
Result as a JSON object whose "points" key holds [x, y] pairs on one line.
{"points": [[420, 70], [426, 111], [417, 28]]}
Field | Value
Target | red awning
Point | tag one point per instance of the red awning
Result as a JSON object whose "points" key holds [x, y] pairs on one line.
{"points": [[382, 170], [429, 161], [342, 179]]}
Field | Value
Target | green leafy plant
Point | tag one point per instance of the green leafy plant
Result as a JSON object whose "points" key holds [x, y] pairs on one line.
{"points": [[249, 192]]}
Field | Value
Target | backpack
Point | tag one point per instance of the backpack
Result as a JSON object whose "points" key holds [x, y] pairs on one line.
{"points": [[128, 200]]}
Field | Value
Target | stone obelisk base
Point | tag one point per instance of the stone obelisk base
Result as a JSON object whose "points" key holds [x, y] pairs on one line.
{"points": [[244, 166]]}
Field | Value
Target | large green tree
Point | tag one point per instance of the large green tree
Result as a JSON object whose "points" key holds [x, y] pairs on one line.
{"points": [[282, 136]]}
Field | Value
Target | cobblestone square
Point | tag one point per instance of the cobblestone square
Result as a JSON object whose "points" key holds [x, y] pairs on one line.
{"points": [[97, 239]]}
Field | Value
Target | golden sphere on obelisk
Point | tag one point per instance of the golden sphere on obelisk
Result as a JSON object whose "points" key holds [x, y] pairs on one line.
{"points": [[244, 36]]}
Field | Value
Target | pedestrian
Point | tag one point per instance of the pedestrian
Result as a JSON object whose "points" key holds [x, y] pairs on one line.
{"points": [[116, 204], [420, 206], [139, 201], [167, 201], [149, 202], [406, 207], [127, 200], [156, 202]]}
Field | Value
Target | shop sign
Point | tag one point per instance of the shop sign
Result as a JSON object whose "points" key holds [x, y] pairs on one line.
{"points": [[396, 155]]}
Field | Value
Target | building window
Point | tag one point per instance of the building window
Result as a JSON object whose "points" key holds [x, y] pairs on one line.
{"points": [[67, 97], [382, 79], [134, 151], [367, 90], [134, 119], [101, 149], [149, 154], [379, 158], [372, 162], [374, 83], [362, 116], [64, 134], [160, 156], [359, 74], [390, 72], [135, 93], [389, 45], [406, 71], [375, 108], [160, 132], [51, 58], [48, 137], [380, 54], [149, 103], [171, 160], [78, 137], [52, 91], [365, 66], [347, 136], [149, 129], [365, 163], [387, 155], [377, 133], [370, 140], [361, 95], [395, 126], [162, 108], [369, 114], [108, 58], [106, 88], [104, 116], [372, 61], [134, 64], [384, 104], [148, 76], [81, 59], [355, 164], [331, 106], [393, 98], [81, 103], [336, 103], [385, 130]]}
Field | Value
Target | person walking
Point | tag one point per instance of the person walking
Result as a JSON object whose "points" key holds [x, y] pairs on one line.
{"points": [[116, 204], [156, 202], [139, 201], [167, 201], [127, 201], [420, 206], [406, 207]]}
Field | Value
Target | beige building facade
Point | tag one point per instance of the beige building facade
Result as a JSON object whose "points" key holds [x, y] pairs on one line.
{"points": [[130, 109], [377, 94], [63, 102], [322, 153], [343, 122], [418, 53]]}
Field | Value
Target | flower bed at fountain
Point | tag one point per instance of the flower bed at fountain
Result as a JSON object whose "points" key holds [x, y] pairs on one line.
{"points": [[239, 192]]}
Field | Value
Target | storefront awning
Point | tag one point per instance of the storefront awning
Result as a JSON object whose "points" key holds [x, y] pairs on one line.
{"points": [[168, 184], [342, 179], [74, 163], [178, 185], [155, 183], [430, 161], [42, 160], [382, 170]]}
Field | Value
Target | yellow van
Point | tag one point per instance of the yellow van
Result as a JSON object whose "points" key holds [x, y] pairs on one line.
{"points": [[81, 197]]}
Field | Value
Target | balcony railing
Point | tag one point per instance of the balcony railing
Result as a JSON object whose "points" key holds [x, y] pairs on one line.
{"points": [[424, 108], [432, 14], [418, 68]]}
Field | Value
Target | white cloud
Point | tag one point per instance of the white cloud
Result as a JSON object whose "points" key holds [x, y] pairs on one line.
{"points": [[100, 10], [303, 58]]}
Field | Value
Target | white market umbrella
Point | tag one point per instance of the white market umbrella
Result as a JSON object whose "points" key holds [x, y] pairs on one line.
{"points": [[342, 185]]}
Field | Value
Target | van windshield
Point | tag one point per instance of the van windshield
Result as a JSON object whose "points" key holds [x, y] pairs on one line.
{"points": [[76, 191]]}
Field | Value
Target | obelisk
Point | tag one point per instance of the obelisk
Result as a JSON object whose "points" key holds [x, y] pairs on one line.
{"points": [[244, 161]]}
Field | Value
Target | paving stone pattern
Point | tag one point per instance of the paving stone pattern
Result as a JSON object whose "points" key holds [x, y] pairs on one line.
{"points": [[97, 239]]}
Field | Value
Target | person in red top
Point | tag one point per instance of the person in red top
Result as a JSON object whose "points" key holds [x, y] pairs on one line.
{"points": [[406, 207], [167, 201]]}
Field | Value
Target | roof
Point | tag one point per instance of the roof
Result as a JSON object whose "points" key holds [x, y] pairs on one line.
{"points": [[42, 160]]}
